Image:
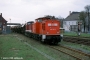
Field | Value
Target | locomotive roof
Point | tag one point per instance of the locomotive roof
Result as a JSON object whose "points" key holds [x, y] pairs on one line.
{"points": [[43, 18], [30, 22], [46, 18]]}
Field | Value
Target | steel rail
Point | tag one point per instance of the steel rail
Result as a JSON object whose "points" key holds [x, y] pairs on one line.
{"points": [[71, 49]]}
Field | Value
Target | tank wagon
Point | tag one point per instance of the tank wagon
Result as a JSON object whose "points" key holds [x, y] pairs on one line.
{"points": [[44, 29]]}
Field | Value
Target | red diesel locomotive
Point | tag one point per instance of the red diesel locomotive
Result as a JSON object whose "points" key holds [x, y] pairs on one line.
{"points": [[44, 29]]}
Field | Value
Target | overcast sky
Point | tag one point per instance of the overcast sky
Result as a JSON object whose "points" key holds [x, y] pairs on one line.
{"points": [[20, 11]]}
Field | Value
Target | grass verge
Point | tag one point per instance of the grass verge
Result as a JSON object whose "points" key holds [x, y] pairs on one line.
{"points": [[76, 34], [10, 46]]}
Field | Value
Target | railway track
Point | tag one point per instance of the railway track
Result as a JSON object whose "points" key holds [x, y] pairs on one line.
{"points": [[79, 55], [84, 41], [77, 37]]}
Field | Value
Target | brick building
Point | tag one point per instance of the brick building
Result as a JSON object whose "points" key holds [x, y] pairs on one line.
{"points": [[3, 24]]}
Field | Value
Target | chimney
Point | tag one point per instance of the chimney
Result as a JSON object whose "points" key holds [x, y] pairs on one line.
{"points": [[70, 12], [1, 14]]}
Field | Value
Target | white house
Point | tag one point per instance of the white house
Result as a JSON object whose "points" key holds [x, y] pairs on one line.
{"points": [[71, 22]]}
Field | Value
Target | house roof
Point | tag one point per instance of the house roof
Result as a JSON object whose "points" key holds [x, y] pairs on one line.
{"points": [[2, 18], [73, 16]]}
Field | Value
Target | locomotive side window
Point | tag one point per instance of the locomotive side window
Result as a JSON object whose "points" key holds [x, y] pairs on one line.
{"points": [[43, 26], [39, 20], [0, 24], [28, 23]]}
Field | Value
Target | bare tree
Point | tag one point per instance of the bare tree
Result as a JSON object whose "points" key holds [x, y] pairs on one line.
{"points": [[87, 8], [82, 17], [61, 21]]}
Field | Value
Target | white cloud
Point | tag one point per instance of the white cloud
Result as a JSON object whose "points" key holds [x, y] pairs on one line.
{"points": [[28, 10]]}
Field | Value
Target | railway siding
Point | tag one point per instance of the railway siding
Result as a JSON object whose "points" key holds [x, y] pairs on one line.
{"points": [[79, 40]]}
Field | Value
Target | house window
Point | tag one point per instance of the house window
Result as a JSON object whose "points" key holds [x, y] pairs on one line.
{"points": [[72, 23], [0, 24], [69, 23], [65, 22], [0, 18]]}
